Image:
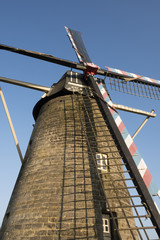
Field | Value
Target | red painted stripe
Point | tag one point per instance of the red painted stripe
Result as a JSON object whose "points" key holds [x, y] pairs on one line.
{"points": [[105, 95], [147, 178], [124, 73], [121, 127], [153, 80], [111, 110], [132, 148]]}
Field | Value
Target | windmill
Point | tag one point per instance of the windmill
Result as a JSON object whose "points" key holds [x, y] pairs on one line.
{"points": [[82, 176]]}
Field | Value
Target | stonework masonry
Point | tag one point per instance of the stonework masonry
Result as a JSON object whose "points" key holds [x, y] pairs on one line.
{"points": [[58, 194]]}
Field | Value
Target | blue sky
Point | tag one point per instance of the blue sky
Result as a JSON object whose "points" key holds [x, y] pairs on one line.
{"points": [[120, 34]]}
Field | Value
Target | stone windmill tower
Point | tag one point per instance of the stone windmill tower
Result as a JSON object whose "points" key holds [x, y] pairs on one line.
{"points": [[80, 177]]}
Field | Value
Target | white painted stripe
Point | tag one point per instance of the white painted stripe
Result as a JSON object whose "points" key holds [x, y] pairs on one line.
{"points": [[128, 141], [110, 103], [147, 79], [118, 71], [103, 91], [118, 120], [142, 167], [132, 75]]}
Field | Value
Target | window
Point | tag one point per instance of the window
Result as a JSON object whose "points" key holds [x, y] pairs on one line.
{"points": [[102, 162], [106, 224]]}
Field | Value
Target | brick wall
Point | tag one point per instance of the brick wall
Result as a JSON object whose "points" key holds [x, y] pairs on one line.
{"points": [[57, 194]]}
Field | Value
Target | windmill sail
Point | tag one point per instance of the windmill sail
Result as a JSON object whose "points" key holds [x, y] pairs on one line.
{"points": [[132, 153], [78, 45], [119, 80], [134, 84], [141, 165], [126, 136]]}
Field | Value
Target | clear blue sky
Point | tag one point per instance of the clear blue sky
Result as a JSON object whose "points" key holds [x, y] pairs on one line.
{"points": [[120, 34]]}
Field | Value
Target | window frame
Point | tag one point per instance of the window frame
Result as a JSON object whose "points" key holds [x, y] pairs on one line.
{"points": [[102, 161], [104, 219]]}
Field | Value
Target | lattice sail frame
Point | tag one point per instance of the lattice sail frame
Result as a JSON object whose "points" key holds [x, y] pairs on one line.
{"points": [[140, 163], [133, 76], [147, 87]]}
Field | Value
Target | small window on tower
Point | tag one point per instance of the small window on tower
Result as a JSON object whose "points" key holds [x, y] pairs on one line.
{"points": [[106, 225], [102, 162]]}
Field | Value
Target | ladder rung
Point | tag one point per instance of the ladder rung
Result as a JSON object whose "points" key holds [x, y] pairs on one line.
{"points": [[136, 228], [119, 180], [132, 206], [126, 217], [120, 188], [115, 172], [134, 196]]}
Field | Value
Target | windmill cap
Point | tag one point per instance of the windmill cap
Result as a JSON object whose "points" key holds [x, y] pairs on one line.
{"points": [[70, 83]]}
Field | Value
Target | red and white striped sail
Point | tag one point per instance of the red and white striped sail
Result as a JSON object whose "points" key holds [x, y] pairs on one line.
{"points": [[132, 76]]}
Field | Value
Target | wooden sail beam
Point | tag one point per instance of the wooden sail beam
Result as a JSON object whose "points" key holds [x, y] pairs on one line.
{"points": [[134, 110], [25, 84], [71, 64], [141, 126]]}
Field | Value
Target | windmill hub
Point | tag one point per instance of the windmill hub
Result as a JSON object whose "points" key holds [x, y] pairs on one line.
{"points": [[91, 69]]}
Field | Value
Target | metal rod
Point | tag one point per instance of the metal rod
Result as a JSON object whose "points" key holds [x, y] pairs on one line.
{"points": [[134, 110], [140, 216], [11, 125], [131, 206], [146, 227], [25, 84], [141, 126], [119, 180], [133, 187], [133, 196]]}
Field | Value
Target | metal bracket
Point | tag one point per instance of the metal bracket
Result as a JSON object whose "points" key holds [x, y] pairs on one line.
{"points": [[141, 126], [11, 125]]}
